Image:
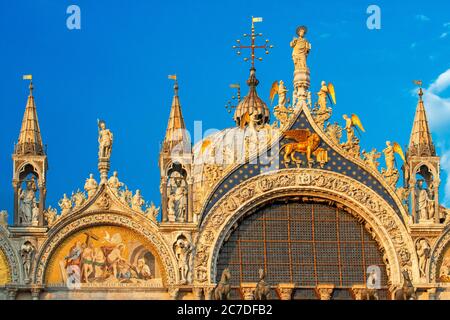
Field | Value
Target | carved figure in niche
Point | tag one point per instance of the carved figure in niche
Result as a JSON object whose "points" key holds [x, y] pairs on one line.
{"points": [[183, 249], [177, 199], [423, 202], [423, 254], [27, 253], [27, 200]]}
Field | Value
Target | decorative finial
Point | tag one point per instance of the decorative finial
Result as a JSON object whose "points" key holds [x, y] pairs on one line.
{"points": [[175, 85], [419, 83], [252, 45]]}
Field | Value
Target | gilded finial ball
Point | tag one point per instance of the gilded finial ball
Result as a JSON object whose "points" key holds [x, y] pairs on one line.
{"points": [[300, 28]]}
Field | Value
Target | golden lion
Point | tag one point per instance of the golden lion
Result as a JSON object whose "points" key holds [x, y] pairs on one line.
{"points": [[307, 143]]}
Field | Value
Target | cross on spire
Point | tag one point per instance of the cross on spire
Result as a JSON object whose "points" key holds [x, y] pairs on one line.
{"points": [[253, 45]]}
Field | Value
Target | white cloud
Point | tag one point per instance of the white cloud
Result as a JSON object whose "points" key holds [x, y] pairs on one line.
{"points": [[447, 25], [422, 18], [443, 35], [438, 112], [445, 166], [413, 45]]}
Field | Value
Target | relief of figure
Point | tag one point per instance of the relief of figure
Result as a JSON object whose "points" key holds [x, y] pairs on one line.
{"points": [[137, 201], [370, 158], [65, 204], [27, 253], [27, 199], [423, 253], [114, 183], [90, 186], [183, 250], [301, 48], [105, 141]]}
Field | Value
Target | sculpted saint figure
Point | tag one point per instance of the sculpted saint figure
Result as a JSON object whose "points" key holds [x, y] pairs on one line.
{"points": [[422, 201], [301, 48], [114, 183], [371, 158], [27, 198], [137, 202], [152, 211], [65, 204], [105, 140], [35, 214], [90, 186], [282, 94]]}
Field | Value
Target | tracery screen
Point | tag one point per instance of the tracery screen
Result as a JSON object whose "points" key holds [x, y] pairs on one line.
{"points": [[301, 243]]}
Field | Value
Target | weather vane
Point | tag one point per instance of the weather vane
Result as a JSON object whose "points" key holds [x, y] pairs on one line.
{"points": [[229, 106], [253, 45]]}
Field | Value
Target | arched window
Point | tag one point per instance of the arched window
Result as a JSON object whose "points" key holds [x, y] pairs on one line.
{"points": [[303, 243]]}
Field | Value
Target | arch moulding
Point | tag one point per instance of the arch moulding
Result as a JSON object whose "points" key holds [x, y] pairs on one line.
{"points": [[113, 218], [365, 204]]}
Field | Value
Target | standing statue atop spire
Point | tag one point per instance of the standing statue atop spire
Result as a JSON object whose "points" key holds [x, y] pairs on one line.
{"points": [[105, 140], [301, 48]]}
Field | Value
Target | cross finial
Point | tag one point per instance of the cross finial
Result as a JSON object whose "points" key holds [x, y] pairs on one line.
{"points": [[253, 45]]}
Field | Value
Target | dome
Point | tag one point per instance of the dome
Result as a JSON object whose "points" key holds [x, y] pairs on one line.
{"points": [[252, 105]]}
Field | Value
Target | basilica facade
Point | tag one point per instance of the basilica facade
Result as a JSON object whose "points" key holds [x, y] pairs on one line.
{"points": [[284, 205]]}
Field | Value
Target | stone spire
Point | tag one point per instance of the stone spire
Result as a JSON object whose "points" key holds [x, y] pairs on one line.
{"points": [[420, 143], [176, 129], [30, 141]]}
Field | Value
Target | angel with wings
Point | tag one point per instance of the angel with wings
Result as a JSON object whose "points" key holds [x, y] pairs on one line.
{"points": [[389, 156], [350, 125]]}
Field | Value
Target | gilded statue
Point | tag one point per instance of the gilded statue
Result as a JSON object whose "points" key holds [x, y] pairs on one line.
{"points": [[306, 143], [391, 174], [301, 48], [51, 216], [322, 111], [78, 199], [105, 141]]}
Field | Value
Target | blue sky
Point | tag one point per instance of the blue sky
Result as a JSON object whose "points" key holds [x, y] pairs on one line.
{"points": [[116, 68]]}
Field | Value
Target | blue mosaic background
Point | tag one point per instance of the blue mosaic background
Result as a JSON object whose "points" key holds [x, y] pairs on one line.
{"points": [[263, 164]]}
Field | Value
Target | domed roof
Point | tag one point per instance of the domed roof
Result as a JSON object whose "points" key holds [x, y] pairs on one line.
{"points": [[252, 106]]}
